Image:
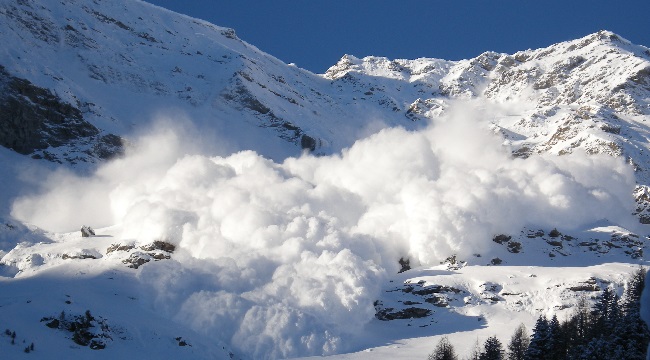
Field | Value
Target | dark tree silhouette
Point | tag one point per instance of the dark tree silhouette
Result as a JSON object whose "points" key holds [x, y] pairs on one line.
{"points": [[632, 332], [443, 351], [492, 350], [518, 344], [539, 340]]}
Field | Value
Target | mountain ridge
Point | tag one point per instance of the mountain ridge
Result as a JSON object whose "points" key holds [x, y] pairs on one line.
{"points": [[273, 104]]}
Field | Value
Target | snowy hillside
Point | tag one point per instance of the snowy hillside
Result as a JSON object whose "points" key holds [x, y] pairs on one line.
{"points": [[246, 208]]}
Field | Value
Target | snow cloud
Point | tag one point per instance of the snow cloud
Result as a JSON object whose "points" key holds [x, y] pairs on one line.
{"points": [[285, 259]]}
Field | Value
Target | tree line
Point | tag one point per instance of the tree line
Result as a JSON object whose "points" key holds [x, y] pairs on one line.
{"points": [[611, 329]]}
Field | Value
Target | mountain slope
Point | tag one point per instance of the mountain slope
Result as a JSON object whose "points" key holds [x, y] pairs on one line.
{"points": [[578, 94], [582, 93], [435, 197]]}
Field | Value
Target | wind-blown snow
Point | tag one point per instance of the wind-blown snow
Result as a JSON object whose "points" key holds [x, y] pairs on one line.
{"points": [[286, 259]]}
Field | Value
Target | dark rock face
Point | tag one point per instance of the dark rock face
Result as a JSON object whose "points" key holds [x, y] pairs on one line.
{"points": [[500, 239], [157, 250], [405, 264], [642, 197], [87, 231], [408, 313], [159, 245], [86, 329], [308, 142], [33, 118]]}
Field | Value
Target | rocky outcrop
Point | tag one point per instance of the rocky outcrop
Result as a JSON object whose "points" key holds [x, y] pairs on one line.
{"points": [[34, 121], [408, 313], [85, 330], [157, 250], [87, 231]]}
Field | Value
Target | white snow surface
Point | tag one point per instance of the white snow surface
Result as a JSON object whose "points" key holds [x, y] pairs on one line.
{"points": [[281, 253]]}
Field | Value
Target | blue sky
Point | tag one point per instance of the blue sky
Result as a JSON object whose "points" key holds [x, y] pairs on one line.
{"points": [[315, 34]]}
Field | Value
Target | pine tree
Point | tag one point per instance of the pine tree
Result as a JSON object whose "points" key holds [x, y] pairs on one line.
{"points": [[577, 329], [443, 351], [614, 329], [518, 344], [606, 341], [492, 350], [632, 331], [597, 349], [555, 347], [606, 314], [539, 340]]}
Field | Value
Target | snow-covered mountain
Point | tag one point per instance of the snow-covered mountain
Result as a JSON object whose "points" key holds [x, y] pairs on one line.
{"points": [[247, 208]]}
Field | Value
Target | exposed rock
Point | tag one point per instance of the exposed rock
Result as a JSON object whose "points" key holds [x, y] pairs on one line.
{"points": [[408, 313], [405, 265], [453, 263], [82, 254], [79, 256], [439, 301], [489, 291], [119, 247], [642, 198], [159, 245], [86, 329], [33, 119], [136, 260], [589, 285], [435, 289], [182, 342], [409, 303], [514, 247], [87, 231], [307, 142], [585, 287], [500, 239]]}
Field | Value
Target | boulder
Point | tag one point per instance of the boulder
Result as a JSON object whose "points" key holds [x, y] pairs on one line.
{"points": [[87, 231]]}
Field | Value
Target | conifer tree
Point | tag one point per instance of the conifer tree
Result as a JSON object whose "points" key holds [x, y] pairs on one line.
{"points": [[605, 314], [597, 349], [518, 344], [555, 347], [632, 331], [443, 351], [492, 350], [539, 340], [613, 330], [576, 329]]}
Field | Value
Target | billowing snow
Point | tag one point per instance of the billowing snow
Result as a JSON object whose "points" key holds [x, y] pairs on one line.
{"points": [[286, 259]]}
